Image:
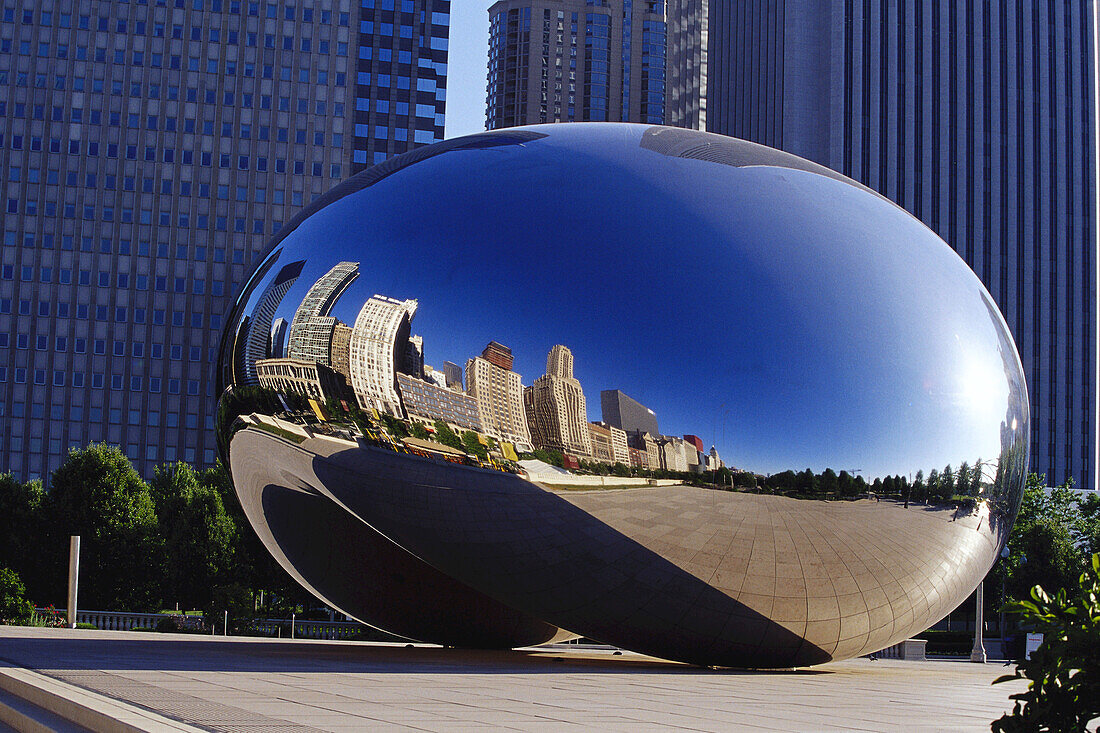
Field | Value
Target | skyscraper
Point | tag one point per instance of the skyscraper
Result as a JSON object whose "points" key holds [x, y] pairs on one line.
{"points": [[379, 346], [576, 61], [149, 151], [979, 120], [687, 63], [400, 76], [498, 392], [555, 407]]}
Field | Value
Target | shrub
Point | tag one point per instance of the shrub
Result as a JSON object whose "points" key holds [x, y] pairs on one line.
{"points": [[83, 625], [14, 606], [48, 618], [1064, 672], [181, 625]]}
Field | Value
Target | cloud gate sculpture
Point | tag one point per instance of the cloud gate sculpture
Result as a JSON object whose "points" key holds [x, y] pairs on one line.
{"points": [[672, 391]]}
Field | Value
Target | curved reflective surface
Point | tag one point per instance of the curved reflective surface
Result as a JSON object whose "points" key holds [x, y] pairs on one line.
{"points": [[793, 425]]}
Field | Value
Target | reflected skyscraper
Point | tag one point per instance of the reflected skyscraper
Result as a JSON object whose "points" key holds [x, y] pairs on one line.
{"points": [[258, 342], [379, 343], [626, 413], [453, 374], [311, 332], [499, 394], [278, 338], [555, 407]]}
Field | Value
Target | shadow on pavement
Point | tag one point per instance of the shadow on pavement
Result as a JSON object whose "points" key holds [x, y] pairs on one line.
{"points": [[189, 654]]}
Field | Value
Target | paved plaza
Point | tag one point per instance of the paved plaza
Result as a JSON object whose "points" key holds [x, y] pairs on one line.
{"points": [[180, 682]]}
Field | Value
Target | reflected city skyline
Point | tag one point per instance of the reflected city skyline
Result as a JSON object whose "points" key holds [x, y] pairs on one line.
{"points": [[380, 363], [319, 332]]}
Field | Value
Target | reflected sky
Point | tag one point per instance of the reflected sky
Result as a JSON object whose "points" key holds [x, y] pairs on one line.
{"points": [[791, 319]]}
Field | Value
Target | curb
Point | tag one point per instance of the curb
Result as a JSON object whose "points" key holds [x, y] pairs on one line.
{"points": [[45, 701]]}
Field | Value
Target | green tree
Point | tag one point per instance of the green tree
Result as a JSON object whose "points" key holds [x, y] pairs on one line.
{"points": [[419, 431], [962, 480], [1089, 522], [1043, 549], [918, 491], [933, 485], [98, 495], [846, 486], [889, 486], [471, 444], [947, 483], [199, 535], [396, 428], [828, 481], [1064, 672], [14, 606], [782, 481], [446, 436], [551, 456], [806, 481], [24, 533]]}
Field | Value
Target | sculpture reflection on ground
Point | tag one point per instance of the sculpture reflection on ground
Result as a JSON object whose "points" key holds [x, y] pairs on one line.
{"points": [[452, 503]]}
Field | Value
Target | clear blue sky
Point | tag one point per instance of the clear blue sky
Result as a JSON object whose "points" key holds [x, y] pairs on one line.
{"points": [[466, 67]]}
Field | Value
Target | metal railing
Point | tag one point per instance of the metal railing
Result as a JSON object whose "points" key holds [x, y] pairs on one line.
{"points": [[285, 628]]}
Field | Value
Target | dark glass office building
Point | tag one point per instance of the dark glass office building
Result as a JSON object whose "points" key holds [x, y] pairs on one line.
{"points": [[978, 118], [576, 61], [149, 150]]}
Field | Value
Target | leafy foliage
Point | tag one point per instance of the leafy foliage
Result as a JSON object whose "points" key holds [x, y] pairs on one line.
{"points": [[471, 444], [200, 537], [1050, 541], [446, 436], [22, 530], [1064, 672], [14, 606], [98, 495]]}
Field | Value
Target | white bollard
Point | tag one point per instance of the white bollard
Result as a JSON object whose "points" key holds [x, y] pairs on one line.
{"points": [[292, 626], [74, 573]]}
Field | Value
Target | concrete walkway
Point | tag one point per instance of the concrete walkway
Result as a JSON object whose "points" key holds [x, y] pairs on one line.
{"points": [[234, 684]]}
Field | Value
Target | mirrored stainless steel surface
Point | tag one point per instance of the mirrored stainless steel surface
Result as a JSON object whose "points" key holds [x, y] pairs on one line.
{"points": [[793, 424]]}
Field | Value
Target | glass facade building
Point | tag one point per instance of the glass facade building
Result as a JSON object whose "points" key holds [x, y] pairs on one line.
{"points": [[149, 150], [978, 118], [576, 61]]}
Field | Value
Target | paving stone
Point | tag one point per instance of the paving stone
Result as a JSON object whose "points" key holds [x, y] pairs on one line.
{"points": [[251, 685]]}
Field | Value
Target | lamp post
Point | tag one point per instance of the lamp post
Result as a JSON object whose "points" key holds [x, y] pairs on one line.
{"points": [[1001, 623]]}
